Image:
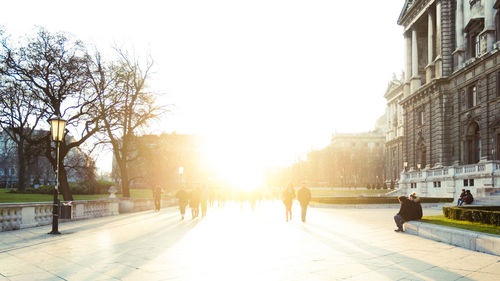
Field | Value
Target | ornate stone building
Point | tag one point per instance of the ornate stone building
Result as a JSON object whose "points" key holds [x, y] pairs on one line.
{"points": [[451, 97], [394, 131]]}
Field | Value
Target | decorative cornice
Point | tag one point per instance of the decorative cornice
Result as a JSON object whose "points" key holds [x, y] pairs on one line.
{"points": [[411, 9]]}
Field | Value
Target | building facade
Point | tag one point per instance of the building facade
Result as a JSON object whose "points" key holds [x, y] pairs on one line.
{"points": [[394, 130], [39, 170], [169, 160], [451, 97]]}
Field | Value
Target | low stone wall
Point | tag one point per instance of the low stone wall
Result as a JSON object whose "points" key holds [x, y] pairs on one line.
{"points": [[467, 239], [23, 215]]}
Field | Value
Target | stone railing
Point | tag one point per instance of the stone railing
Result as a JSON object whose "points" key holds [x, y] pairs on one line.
{"points": [[23, 215]]}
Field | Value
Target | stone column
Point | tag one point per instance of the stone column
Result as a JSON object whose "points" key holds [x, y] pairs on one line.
{"points": [[415, 78], [408, 64], [430, 47], [438, 62], [489, 24], [459, 34]]}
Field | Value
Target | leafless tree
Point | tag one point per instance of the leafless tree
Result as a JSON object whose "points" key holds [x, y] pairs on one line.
{"points": [[55, 71], [127, 107]]}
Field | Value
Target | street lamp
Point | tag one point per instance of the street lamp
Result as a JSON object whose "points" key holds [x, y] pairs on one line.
{"points": [[418, 166], [57, 132], [405, 165], [181, 171]]}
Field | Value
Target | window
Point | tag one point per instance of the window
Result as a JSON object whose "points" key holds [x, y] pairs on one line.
{"points": [[437, 184], [498, 82], [413, 185], [472, 96], [498, 147], [473, 144], [475, 46], [420, 117], [469, 182]]}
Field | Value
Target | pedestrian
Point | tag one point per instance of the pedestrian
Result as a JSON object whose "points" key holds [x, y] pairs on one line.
{"points": [[416, 213], [157, 197], [183, 196], [204, 200], [468, 199], [304, 196], [460, 200], [194, 202], [404, 213], [288, 195]]}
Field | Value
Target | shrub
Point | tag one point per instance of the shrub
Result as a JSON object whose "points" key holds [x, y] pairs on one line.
{"points": [[102, 186], [480, 215]]}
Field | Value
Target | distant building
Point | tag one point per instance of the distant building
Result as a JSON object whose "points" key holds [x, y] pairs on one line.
{"points": [[39, 170], [357, 159], [451, 97], [350, 160], [394, 131], [168, 159]]}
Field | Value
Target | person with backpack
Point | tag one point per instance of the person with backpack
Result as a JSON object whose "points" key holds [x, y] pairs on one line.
{"points": [[460, 200]]}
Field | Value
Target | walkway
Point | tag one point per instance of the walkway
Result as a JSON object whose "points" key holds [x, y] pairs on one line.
{"points": [[238, 244]]}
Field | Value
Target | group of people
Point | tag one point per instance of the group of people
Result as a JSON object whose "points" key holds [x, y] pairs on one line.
{"points": [[465, 197], [196, 198], [200, 197], [303, 196], [410, 209]]}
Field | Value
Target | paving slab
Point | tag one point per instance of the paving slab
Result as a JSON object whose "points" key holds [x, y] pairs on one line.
{"points": [[238, 243]]}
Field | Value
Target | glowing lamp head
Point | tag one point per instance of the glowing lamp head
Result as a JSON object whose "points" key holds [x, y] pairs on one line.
{"points": [[181, 170], [57, 127]]}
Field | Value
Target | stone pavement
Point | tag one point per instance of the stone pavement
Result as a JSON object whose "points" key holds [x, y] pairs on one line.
{"points": [[236, 243]]}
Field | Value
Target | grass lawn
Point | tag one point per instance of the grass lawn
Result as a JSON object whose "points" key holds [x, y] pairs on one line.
{"points": [[474, 226], [6, 197]]}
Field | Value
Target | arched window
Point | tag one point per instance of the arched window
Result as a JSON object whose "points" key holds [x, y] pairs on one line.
{"points": [[473, 144], [421, 156]]}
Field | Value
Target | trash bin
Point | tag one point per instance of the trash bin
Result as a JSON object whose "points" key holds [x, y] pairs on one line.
{"points": [[65, 211]]}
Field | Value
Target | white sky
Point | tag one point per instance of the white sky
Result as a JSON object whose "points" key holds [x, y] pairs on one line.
{"points": [[266, 80]]}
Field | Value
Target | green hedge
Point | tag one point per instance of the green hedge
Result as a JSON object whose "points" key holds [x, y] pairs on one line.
{"points": [[480, 214], [374, 200]]}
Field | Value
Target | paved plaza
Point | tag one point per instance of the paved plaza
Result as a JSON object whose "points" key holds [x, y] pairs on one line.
{"points": [[236, 243]]}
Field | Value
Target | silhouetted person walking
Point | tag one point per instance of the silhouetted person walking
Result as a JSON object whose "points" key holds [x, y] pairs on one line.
{"points": [[183, 197], [304, 196], [157, 197], [194, 202], [288, 195]]}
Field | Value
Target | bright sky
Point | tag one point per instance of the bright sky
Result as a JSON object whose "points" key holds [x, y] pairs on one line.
{"points": [[264, 80]]}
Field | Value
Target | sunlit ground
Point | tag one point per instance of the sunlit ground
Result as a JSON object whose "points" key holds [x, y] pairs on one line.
{"points": [[238, 243]]}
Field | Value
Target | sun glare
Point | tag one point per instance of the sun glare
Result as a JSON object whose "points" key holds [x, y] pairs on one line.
{"points": [[239, 168]]}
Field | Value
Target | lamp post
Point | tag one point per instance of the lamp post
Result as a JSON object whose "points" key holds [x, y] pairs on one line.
{"points": [[57, 126], [405, 165], [181, 171]]}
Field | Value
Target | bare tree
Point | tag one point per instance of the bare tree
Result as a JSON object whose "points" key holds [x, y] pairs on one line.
{"points": [[127, 107], [55, 69], [19, 115]]}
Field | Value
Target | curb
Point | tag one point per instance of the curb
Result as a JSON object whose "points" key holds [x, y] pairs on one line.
{"points": [[374, 206], [476, 241]]}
